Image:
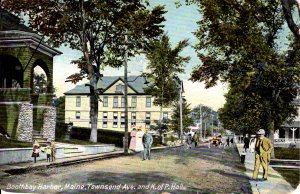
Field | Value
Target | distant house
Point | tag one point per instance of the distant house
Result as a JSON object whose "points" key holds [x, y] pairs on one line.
{"points": [[286, 130], [111, 116]]}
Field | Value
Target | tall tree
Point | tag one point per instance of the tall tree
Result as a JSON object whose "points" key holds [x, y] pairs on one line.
{"points": [[186, 118], [97, 29], [238, 44], [165, 63]]}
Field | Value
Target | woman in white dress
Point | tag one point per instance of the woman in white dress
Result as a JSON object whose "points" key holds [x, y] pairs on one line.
{"points": [[139, 139], [252, 143]]}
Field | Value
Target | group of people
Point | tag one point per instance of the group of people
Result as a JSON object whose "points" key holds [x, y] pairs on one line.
{"points": [[50, 151], [141, 141]]}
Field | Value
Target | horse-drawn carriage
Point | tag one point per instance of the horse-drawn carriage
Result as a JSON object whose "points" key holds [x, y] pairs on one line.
{"points": [[216, 141]]}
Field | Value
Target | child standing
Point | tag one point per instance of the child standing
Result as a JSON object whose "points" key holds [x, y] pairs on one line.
{"points": [[35, 151], [48, 152]]}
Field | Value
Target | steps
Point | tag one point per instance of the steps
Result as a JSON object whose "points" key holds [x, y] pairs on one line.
{"points": [[37, 136]]}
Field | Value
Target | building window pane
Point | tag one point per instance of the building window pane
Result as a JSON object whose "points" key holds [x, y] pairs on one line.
{"points": [[122, 102], [148, 102], [78, 101], [165, 115], [122, 119], [105, 101], [133, 101], [148, 118], [77, 115], [120, 88], [104, 124], [116, 102], [133, 119], [115, 121]]}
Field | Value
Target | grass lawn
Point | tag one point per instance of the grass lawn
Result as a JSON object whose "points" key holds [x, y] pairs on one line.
{"points": [[290, 175], [287, 153], [76, 141], [9, 143]]}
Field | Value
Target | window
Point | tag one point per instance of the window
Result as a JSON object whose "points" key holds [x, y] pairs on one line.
{"points": [[122, 102], [165, 115], [115, 121], [104, 124], [122, 119], [120, 88], [105, 101], [148, 119], [133, 118], [115, 102], [133, 101], [148, 101], [77, 115], [78, 101]]}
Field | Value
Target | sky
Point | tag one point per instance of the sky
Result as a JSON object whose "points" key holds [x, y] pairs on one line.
{"points": [[180, 24]]}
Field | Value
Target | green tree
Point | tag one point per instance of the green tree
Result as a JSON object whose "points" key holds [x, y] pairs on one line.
{"points": [[39, 83], [187, 120], [165, 63], [97, 29], [240, 40]]}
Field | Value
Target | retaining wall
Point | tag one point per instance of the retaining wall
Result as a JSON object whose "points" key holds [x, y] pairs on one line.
{"points": [[18, 155]]}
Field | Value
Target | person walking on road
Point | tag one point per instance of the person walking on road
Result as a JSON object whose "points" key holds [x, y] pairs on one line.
{"points": [[263, 148], [246, 142], [189, 141], [147, 142], [196, 138]]}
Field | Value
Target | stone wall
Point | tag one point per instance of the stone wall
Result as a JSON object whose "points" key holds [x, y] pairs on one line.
{"points": [[48, 130], [25, 123]]}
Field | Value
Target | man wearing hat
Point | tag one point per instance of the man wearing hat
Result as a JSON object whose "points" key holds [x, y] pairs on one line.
{"points": [[263, 148], [147, 142]]}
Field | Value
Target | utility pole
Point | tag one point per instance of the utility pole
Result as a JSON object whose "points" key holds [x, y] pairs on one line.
{"points": [[204, 130], [126, 96], [200, 124], [180, 105], [212, 124]]}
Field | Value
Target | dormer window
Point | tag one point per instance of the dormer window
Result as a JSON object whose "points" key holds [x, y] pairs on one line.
{"points": [[120, 88]]}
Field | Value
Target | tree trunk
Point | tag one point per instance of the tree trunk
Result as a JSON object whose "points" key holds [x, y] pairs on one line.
{"points": [[93, 111], [270, 129]]}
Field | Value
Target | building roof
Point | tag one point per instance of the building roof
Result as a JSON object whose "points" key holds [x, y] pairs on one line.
{"points": [[295, 124], [137, 85]]}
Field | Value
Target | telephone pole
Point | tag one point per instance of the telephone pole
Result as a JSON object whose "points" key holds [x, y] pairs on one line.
{"points": [[180, 106], [126, 96]]}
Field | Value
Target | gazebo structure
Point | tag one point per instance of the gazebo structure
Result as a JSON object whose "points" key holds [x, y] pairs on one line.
{"points": [[21, 109]]}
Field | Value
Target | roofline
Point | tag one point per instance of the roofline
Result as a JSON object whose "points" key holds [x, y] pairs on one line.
{"points": [[122, 81], [27, 39]]}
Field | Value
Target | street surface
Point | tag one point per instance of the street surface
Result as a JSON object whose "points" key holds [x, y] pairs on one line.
{"points": [[177, 170]]}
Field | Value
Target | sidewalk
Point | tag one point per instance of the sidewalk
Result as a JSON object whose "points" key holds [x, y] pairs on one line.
{"points": [[275, 184], [19, 168]]}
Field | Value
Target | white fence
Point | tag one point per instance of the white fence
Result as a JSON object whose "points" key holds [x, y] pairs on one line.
{"points": [[286, 140]]}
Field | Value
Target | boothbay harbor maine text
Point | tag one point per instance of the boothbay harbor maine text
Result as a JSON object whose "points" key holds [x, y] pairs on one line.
{"points": [[140, 96]]}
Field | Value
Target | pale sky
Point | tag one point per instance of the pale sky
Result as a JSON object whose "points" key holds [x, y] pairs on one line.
{"points": [[179, 25]]}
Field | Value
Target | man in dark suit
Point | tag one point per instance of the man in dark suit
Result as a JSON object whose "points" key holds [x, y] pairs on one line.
{"points": [[147, 142]]}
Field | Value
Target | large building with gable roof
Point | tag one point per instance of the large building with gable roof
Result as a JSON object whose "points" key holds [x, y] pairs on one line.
{"points": [[141, 110]]}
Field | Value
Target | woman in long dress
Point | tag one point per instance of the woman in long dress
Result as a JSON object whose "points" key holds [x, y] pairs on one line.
{"points": [[139, 139], [133, 139]]}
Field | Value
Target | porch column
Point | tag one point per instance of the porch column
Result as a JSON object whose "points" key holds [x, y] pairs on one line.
{"points": [[48, 130], [25, 122]]}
